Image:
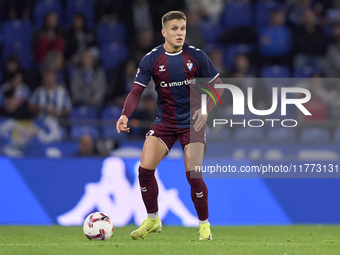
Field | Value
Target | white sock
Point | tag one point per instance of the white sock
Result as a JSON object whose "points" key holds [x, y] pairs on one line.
{"points": [[153, 215], [203, 221]]}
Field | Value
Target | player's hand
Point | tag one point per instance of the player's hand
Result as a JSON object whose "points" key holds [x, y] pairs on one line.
{"points": [[122, 124], [200, 120]]}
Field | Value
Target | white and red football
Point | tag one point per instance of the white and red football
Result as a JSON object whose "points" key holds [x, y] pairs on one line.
{"points": [[98, 226]]}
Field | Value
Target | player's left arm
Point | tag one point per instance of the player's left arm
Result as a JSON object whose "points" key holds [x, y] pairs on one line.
{"points": [[207, 69]]}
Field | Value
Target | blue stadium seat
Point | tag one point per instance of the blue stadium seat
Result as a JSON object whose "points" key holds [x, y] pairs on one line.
{"points": [[83, 113], [305, 71], [21, 50], [249, 134], [112, 32], [237, 14], [336, 135], [17, 40], [281, 134], [314, 135], [111, 113], [112, 54], [262, 11], [291, 111], [71, 69], [274, 41], [231, 51], [210, 31], [218, 134], [17, 30], [79, 131], [275, 71], [43, 7], [85, 7], [273, 75]]}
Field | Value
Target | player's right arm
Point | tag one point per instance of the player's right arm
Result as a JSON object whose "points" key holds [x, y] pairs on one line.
{"points": [[122, 124], [130, 105], [142, 79]]}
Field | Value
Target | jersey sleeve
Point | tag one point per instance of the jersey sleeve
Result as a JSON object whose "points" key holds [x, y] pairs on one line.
{"points": [[207, 68], [144, 72]]}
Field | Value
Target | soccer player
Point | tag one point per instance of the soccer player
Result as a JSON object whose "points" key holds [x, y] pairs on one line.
{"points": [[173, 66]]}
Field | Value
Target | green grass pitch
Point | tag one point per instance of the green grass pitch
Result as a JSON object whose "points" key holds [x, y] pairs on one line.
{"points": [[283, 240]]}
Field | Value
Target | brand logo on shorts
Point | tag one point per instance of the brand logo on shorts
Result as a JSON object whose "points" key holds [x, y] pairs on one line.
{"points": [[143, 189], [151, 132], [161, 68], [199, 195]]}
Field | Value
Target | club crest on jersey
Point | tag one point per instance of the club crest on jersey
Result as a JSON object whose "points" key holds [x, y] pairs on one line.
{"points": [[161, 68], [190, 65]]}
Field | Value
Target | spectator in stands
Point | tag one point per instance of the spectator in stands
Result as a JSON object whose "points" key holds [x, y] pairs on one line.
{"points": [[21, 90], [54, 61], [107, 10], [216, 57], [14, 107], [88, 82], [333, 12], [87, 147], [210, 10], [79, 38], [331, 96], [317, 105], [117, 81], [332, 58], [246, 77], [295, 10], [12, 66], [142, 15], [194, 35], [242, 67], [49, 37], [50, 99], [17, 9], [310, 42], [275, 41], [144, 43]]}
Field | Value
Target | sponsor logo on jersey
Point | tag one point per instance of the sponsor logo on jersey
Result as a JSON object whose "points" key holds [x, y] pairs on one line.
{"points": [[163, 84], [138, 70], [161, 68]]}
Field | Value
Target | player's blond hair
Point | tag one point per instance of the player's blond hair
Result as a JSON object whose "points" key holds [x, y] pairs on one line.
{"points": [[172, 15]]}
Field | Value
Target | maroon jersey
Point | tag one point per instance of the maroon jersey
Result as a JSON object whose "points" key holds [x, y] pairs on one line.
{"points": [[173, 74]]}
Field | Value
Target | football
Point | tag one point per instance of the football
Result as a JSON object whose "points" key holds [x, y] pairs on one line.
{"points": [[98, 226]]}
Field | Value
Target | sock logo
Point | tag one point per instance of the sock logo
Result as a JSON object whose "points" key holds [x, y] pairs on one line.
{"points": [[143, 189], [199, 195]]}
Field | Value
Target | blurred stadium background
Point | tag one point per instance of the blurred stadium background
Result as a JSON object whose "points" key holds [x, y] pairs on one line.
{"points": [[66, 67]]}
